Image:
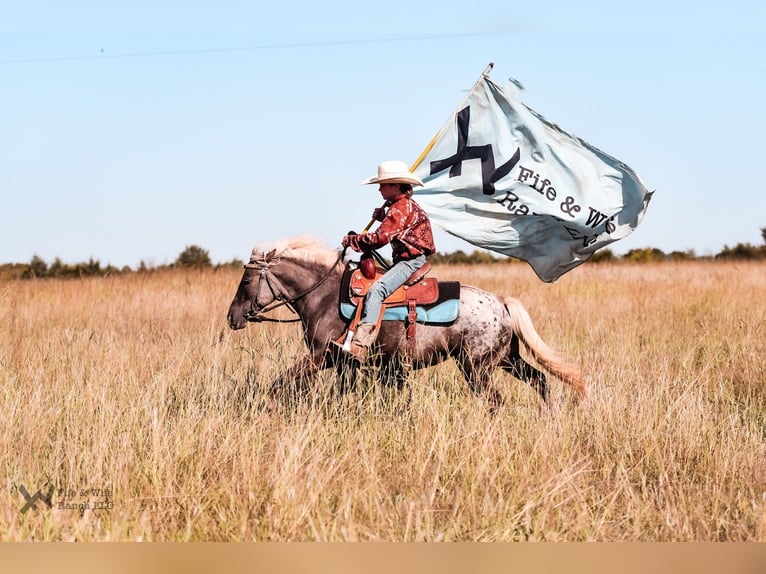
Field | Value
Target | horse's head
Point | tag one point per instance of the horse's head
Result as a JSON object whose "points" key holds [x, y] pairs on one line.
{"points": [[257, 289], [266, 284]]}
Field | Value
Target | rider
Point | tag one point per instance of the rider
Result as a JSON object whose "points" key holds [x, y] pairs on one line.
{"points": [[405, 225]]}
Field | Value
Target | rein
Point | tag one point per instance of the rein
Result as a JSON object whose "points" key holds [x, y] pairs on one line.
{"points": [[280, 297], [381, 261]]}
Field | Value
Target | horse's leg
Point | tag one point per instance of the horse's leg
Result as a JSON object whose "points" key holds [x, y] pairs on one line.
{"points": [[401, 374], [398, 371], [395, 371], [296, 377], [519, 368], [478, 375], [346, 372]]}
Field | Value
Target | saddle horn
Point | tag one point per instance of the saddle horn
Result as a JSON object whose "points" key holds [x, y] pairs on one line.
{"points": [[367, 265]]}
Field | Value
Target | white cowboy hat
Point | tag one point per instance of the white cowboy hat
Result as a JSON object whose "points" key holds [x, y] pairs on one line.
{"points": [[394, 172]]}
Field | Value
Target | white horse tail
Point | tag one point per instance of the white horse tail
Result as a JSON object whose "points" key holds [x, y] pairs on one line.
{"points": [[542, 353]]}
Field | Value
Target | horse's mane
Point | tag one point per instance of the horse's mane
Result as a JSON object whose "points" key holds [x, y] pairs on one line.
{"points": [[304, 248]]}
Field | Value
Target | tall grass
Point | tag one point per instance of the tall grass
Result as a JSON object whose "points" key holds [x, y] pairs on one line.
{"points": [[134, 385]]}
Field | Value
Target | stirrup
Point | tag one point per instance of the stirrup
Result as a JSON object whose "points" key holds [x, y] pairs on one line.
{"points": [[352, 350]]}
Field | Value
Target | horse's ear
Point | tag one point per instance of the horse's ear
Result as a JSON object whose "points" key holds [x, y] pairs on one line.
{"points": [[270, 255]]}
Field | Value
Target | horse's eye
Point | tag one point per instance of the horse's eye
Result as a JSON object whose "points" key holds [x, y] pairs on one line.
{"points": [[246, 282]]}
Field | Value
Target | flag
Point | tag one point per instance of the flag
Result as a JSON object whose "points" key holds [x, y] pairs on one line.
{"points": [[502, 177]]}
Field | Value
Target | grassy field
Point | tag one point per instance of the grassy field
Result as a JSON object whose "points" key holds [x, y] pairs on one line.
{"points": [[120, 407]]}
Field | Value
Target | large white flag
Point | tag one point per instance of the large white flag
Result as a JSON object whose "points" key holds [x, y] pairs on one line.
{"points": [[502, 177]]}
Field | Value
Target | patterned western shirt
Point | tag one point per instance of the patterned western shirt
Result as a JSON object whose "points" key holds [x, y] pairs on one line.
{"points": [[406, 226]]}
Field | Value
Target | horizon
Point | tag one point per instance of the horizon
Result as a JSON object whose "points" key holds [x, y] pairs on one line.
{"points": [[472, 252]]}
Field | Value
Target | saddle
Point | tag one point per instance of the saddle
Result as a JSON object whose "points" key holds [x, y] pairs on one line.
{"points": [[421, 299]]}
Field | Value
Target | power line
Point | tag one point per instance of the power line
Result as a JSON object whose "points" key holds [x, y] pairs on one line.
{"points": [[291, 45]]}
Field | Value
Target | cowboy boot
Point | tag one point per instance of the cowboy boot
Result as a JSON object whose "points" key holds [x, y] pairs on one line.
{"points": [[359, 342], [363, 338]]}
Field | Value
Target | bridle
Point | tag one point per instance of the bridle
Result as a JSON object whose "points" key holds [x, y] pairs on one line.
{"points": [[257, 312]]}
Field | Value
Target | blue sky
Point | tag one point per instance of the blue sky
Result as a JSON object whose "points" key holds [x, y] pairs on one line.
{"points": [[129, 130]]}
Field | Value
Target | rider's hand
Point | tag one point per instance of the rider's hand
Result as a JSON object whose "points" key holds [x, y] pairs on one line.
{"points": [[348, 241], [379, 213]]}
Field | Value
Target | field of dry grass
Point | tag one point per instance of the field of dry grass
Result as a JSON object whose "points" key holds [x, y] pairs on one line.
{"points": [[120, 406]]}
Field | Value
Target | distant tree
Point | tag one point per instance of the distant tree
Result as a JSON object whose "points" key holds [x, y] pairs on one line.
{"points": [[14, 271], [645, 255], [193, 257], [92, 267], [688, 255], [57, 268], [763, 233], [602, 255], [742, 251], [458, 257], [234, 264], [482, 257], [38, 267]]}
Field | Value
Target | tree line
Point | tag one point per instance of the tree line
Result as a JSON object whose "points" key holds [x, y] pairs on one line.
{"points": [[195, 257], [192, 257]]}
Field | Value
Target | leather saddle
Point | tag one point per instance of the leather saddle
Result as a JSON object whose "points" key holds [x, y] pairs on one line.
{"points": [[433, 301]]}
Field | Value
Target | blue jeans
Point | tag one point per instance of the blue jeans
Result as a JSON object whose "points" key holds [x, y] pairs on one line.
{"points": [[387, 284]]}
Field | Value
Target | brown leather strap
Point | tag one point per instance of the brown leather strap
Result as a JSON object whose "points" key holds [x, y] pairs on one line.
{"points": [[352, 324], [412, 318]]}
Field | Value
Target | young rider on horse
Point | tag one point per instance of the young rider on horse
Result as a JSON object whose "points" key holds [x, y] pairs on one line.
{"points": [[404, 225]]}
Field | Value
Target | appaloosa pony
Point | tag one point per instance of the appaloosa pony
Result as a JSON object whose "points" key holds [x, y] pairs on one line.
{"points": [[306, 277]]}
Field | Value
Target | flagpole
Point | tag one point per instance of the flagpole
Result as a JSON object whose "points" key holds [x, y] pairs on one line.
{"points": [[427, 149], [424, 153], [367, 227]]}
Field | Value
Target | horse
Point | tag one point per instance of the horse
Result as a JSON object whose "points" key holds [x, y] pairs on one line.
{"points": [[303, 275]]}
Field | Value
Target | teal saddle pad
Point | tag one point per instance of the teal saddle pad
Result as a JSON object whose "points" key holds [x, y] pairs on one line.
{"points": [[444, 311]]}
